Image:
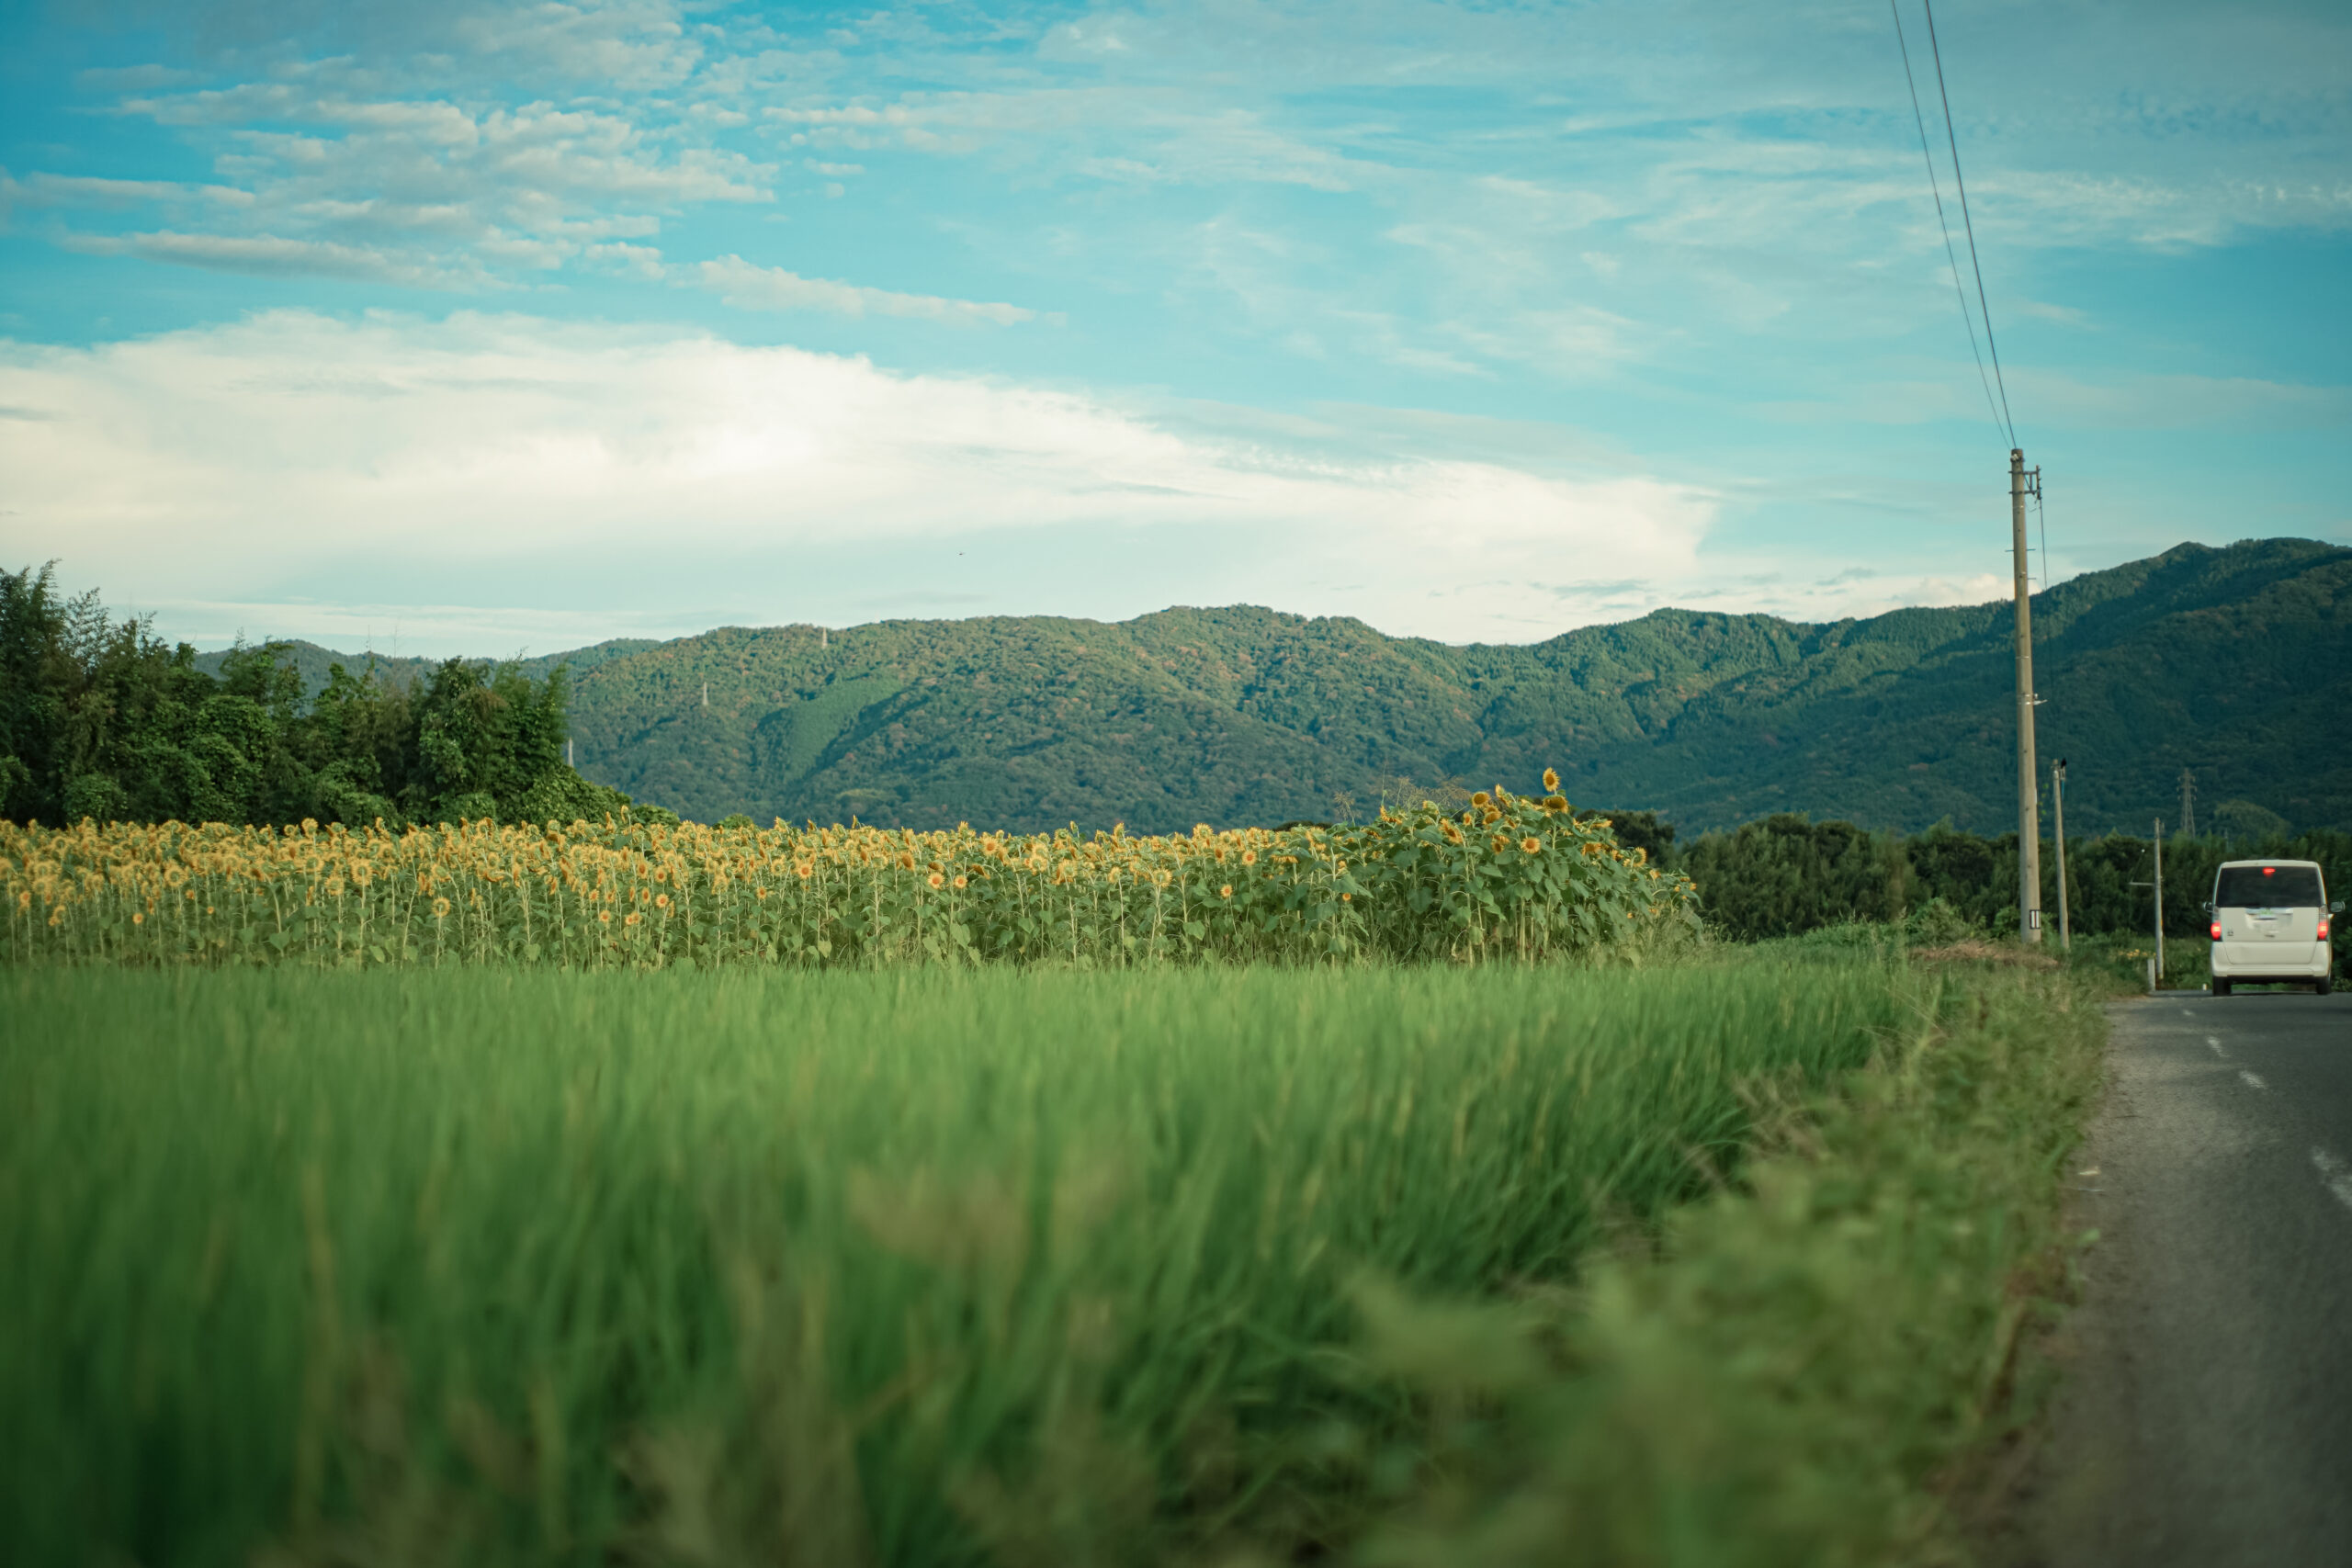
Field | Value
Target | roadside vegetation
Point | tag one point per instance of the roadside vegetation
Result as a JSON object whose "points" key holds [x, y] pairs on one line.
{"points": [[1785, 875], [1717, 1260]]}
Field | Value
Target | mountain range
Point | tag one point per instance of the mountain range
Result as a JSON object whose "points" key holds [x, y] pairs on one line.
{"points": [[2233, 663]]}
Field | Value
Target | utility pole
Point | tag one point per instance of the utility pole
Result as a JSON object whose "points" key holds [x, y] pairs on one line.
{"points": [[2160, 897], [2058, 825], [2028, 791], [706, 693], [2187, 803]]}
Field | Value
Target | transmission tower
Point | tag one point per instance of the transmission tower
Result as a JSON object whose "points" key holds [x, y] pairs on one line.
{"points": [[2187, 802]]}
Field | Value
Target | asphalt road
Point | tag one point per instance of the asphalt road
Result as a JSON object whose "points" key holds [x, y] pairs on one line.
{"points": [[2206, 1415]]}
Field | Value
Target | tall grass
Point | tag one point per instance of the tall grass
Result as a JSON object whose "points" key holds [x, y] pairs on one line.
{"points": [[932, 1268]]}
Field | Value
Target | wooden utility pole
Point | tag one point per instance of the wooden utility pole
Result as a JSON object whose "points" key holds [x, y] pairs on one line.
{"points": [[2028, 790], [2160, 897], [2058, 828]]}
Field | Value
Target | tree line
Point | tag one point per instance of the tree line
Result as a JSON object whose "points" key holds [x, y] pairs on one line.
{"points": [[1786, 875], [100, 718]]}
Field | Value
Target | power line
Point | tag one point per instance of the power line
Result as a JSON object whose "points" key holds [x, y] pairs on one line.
{"points": [[2043, 524], [1935, 189], [1961, 184]]}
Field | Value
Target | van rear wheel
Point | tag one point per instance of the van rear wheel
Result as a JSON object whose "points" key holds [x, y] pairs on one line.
{"points": [[2326, 984], [2220, 986]]}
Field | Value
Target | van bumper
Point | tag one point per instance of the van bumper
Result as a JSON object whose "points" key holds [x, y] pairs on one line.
{"points": [[2270, 960]]}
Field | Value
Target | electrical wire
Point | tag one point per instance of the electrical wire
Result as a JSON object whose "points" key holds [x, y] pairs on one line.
{"points": [[1961, 184], [2043, 524], [1959, 292]]}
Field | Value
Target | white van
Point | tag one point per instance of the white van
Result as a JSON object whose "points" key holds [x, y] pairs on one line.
{"points": [[2271, 921]]}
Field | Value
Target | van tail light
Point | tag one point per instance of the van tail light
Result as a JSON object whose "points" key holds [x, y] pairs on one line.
{"points": [[2217, 929], [2323, 928]]}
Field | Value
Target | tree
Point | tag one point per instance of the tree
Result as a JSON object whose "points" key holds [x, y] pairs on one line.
{"points": [[99, 720]]}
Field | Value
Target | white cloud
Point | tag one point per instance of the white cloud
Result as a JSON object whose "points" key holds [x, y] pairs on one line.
{"points": [[750, 287], [413, 190], [82, 190], [247, 464], [269, 255]]}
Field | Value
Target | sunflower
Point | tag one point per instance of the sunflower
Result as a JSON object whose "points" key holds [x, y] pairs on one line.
{"points": [[1551, 779], [1482, 800], [440, 908], [662, 902], [804, 870], [1249, 857], [1498, 843], [605, 916], [937, 881], [1555, 804], [962, 882], [1531, 844], [631, 918], [1225, 891]]}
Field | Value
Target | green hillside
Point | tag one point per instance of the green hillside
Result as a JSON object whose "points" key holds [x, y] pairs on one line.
{"points": [[2235, 662]]}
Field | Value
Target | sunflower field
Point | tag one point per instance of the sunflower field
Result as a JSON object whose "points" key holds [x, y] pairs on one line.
{"points": [[1512, 876]]}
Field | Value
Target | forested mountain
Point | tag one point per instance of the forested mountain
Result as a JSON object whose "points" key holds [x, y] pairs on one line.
{"points": [[2235, 662]]}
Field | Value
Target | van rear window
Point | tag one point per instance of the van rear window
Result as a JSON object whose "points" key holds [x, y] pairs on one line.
{"points": [[2287, 886]]}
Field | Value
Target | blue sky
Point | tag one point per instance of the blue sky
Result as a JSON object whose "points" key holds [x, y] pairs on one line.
{"points": [[492, 326]]}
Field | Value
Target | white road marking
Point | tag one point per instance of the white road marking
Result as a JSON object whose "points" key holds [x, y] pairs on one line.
{"points": [[2216, 1044], [2186, 1013], [2251, 1081], [2333, 1171]]}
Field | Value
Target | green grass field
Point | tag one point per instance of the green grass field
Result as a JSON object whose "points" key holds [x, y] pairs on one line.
{"points": [[927, 1268]]}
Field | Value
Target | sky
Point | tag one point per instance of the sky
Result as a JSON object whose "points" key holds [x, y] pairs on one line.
{"points": [[487, 327]]}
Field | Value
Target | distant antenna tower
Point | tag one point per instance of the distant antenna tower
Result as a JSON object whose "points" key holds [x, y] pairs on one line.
{"points": [[2187, 802], [706, 693], [824, 637]]}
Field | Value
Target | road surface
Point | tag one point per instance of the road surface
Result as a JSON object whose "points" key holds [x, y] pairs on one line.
{"points": [[2206, 1416]]}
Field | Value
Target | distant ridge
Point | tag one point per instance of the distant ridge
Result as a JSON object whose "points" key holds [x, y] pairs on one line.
{"points": [[2236, 663]]}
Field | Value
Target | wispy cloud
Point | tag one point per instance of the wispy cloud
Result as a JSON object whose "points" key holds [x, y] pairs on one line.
{"points": [[269, 255], [750, 287]]}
